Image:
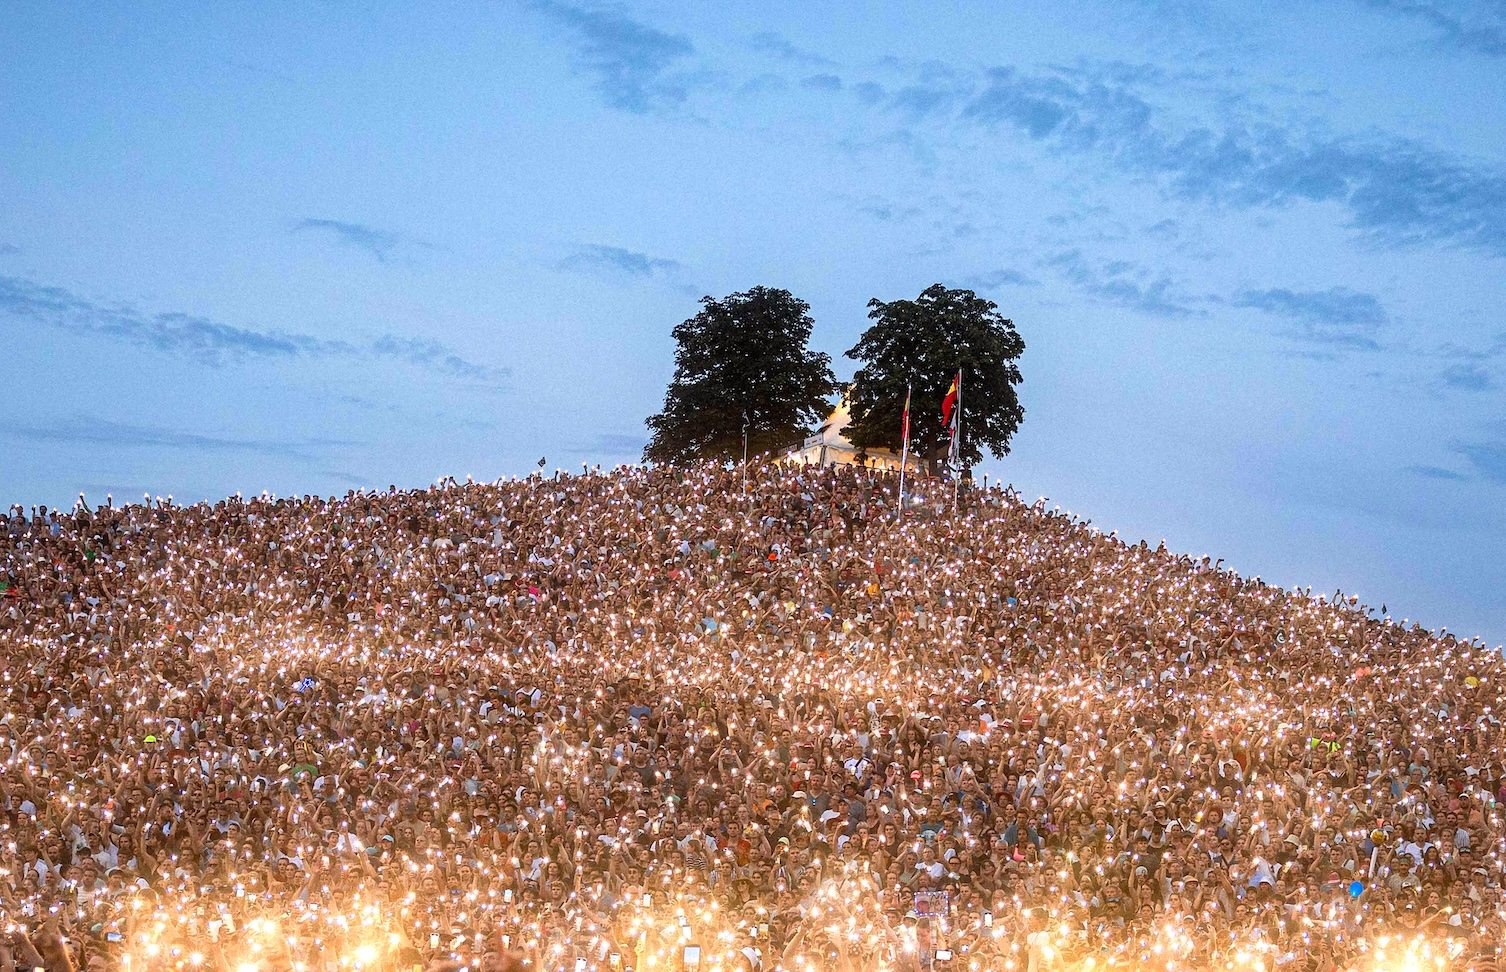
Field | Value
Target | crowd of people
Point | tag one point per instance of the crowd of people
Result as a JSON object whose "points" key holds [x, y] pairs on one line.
{"points": [[719, 719]]}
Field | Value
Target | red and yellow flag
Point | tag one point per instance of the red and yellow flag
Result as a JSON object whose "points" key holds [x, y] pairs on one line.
{"points": [[950, 402]]}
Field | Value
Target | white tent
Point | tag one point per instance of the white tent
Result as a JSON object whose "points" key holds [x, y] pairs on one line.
{"points": [[829, 447]]}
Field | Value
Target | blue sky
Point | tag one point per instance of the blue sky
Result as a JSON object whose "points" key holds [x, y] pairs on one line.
{"points": [[1255, 250]]}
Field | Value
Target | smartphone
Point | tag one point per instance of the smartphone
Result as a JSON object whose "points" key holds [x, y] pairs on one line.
{"points": [[943, 955], [693, 955], [988, 919], [114, 937], [507, 895], [580, 965], [434, 941]]}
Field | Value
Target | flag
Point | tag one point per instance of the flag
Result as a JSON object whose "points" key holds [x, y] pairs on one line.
{"points": [[951, 413], [904, 449]]}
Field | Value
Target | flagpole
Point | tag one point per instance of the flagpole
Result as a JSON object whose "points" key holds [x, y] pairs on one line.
{"points": [[957, 446], [904, 449]]}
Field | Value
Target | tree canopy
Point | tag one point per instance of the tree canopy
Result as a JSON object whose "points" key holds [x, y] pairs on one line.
{"points": [[924, 342], [743, 358]]}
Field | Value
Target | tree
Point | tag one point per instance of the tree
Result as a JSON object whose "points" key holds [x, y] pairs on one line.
{"points": [[741, 359], [924, 342]]}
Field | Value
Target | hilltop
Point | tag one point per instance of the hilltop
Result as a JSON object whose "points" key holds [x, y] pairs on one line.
{"points": [[774, 696]]}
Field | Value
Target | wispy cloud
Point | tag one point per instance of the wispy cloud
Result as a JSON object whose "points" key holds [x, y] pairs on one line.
{"points": [[886, 212], [935, 89], [212, 342], [1437, 472], [1493, 348], [87, 430], [433, 355], [1337, 317], [595, 257], [994, 279], [778, 46], [869, 92], [1395, 190], [1453, 31], [822, 82], [1466, 377], [630, 61], [374, 241], [1487, 458], [1124, 284], [197, 337]]}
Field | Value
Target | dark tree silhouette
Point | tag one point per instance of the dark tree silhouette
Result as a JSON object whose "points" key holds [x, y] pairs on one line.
{"points": [[743, 360], [924, 342]]}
